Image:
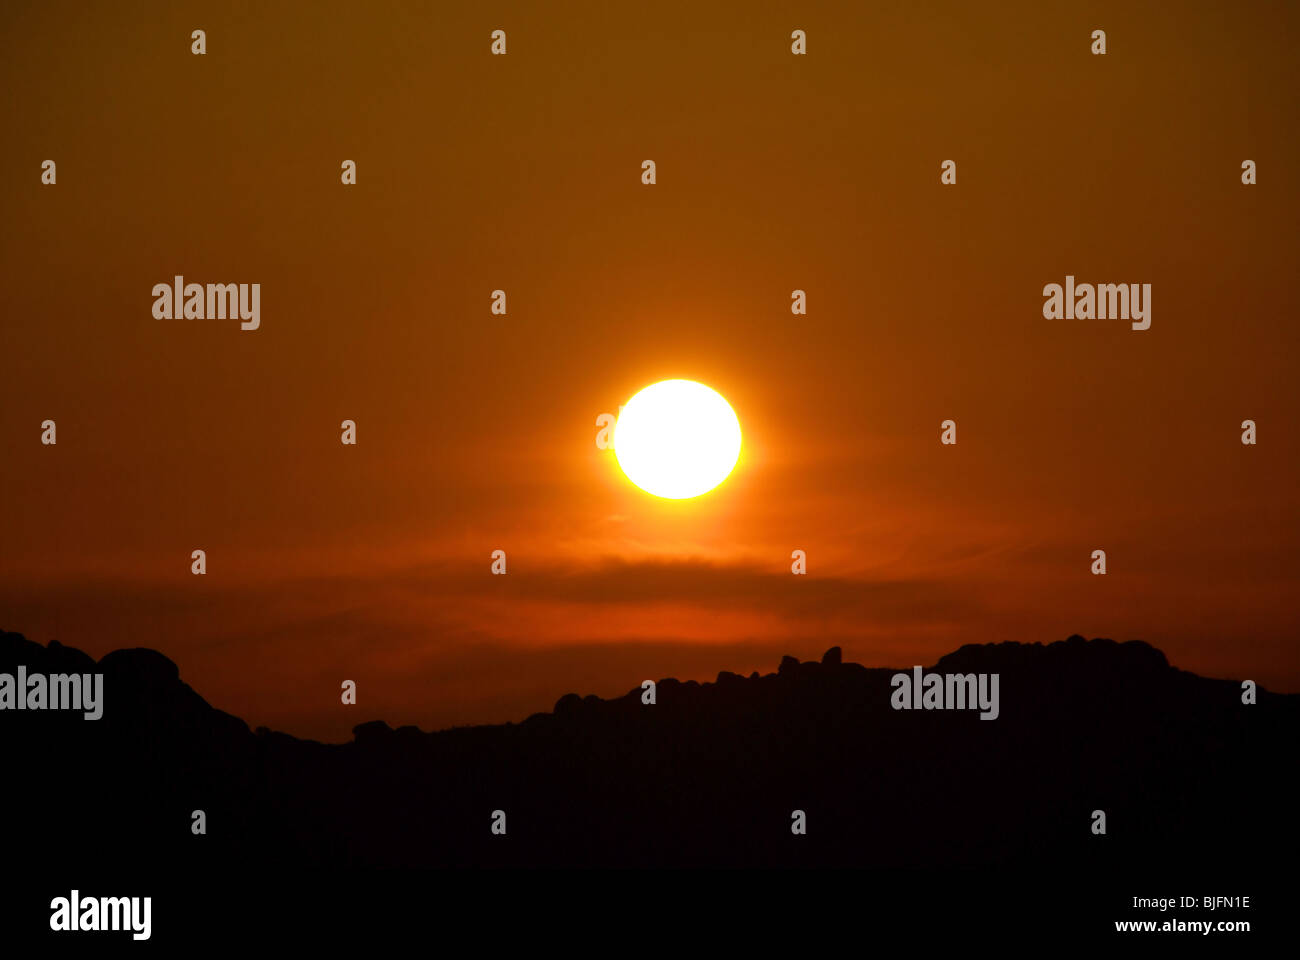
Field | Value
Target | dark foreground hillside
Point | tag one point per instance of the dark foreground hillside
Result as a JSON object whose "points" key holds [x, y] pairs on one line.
{"points": [[708, 775]]}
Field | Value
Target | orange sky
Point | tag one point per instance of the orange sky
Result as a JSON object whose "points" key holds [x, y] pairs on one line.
{"points": [[477, 432]]}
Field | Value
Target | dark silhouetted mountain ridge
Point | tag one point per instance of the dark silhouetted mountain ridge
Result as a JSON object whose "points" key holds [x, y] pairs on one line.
{"points": [[708, 775]]}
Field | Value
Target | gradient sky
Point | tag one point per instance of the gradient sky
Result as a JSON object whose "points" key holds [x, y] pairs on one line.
{"points": [[476, 432]]}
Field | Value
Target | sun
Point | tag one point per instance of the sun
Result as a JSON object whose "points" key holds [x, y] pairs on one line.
{"points": [[677, 439]]}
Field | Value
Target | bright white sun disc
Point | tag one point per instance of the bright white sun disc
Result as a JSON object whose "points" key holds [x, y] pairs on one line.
{"points": [[677, 439]]}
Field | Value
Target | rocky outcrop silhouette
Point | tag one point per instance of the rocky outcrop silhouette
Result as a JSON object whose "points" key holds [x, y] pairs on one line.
{"points": [[707, 775]]}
